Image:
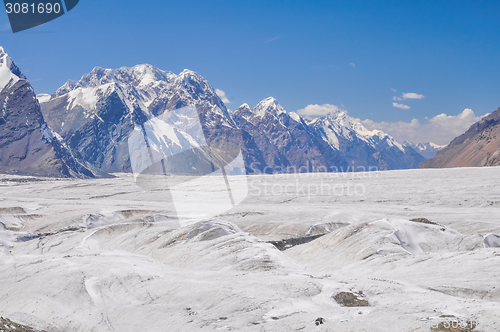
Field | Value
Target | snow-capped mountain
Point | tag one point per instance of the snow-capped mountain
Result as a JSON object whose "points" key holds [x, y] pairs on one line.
{"points": [[361, 147], [336, 141], [285, 139], [28, 144], [427, 150], [97, 114]]}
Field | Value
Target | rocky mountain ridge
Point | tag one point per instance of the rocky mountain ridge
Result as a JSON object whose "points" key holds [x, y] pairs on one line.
{"points": [[478, 146]]}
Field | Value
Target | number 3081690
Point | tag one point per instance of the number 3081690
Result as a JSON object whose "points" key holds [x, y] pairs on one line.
{"points": [[26, 8]]}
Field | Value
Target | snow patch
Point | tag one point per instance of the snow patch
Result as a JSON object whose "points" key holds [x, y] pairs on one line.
{"points": [[492, 241], [11, 221], [43, 97], [7, 240], [414, 236], [51, 135], [86, 98]]}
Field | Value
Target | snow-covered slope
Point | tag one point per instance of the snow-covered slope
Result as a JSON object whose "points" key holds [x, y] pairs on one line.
{"points": [[419, 247]]}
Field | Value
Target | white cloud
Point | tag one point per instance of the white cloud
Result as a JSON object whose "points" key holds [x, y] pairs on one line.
{"points": [[412, 95], [313, 111], [393, 90], [352, 65], [405, 96], [222, 96], [402, 106], [272, 39], [440, 129]]}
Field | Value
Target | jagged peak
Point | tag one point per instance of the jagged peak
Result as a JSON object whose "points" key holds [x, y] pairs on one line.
{"points": [[140, 76], [243, 110], [295, 116], [188, 72], [244, 106], [188, 75], [338, 114], [344, 125], [268, 105], [9, 72]]}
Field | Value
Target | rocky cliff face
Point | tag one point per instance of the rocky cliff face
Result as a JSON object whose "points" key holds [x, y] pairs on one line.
{"points": [[478, 146], [27, 144]]}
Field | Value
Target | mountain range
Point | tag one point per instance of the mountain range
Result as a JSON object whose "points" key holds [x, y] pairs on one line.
{"points": [[427, 150], [87, 124]]}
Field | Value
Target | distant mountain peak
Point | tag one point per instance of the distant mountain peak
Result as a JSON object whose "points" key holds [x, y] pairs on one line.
{"points": [[268, 105], [286, 138], [142, 75], [342, 125], [427, 150], [189, 72], [423, 146], [338, 113], [243, 107], [189, 77]]}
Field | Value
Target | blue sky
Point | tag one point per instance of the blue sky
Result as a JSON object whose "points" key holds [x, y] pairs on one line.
{"points": [[351, 54]]}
